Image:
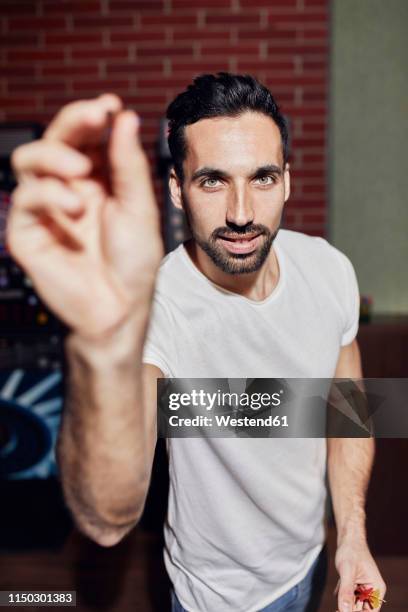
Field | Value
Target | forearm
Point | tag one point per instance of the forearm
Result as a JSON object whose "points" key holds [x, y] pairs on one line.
{"points": [[349, 467], [106, 443]]}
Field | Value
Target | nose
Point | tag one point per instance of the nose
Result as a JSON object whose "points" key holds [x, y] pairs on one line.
{"points": [[240, 210]]}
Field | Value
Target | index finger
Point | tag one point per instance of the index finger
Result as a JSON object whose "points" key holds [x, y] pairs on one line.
{"points": [[84, 121]]}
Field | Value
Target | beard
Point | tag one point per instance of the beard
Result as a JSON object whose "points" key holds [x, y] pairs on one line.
{"points": [[235, 263]]}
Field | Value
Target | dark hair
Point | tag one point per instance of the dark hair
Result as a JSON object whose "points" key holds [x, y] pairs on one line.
{"points": [[221, 95]]}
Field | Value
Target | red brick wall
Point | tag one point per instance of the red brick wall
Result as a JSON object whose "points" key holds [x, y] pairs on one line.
{"points": [[53, 51]]}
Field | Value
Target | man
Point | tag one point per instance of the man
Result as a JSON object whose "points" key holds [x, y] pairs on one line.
{"points": [[242, 298]]}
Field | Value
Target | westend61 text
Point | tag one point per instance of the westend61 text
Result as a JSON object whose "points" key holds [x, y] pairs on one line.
{"points": [[229, 421]]}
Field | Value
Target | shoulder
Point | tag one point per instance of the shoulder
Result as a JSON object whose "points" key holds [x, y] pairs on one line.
{"points": [[299, 240], [319, 267], [313, 251]]}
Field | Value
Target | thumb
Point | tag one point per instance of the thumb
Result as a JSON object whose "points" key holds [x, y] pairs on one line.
{"points": [[346, 596], [130, 173]]}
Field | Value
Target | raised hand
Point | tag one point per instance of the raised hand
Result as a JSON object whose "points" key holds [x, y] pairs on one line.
{"points": [[84, 223]]}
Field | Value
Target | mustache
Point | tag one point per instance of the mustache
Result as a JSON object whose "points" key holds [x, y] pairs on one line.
{"points": [[250, 230]]}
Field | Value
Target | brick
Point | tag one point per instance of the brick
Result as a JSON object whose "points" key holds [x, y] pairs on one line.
{"points": [[68, 38], [315, 64], [196, 34], [318, 217], [315, 189], [17, 24], [149, 127], [100, 21], [33, 55], [133, 68], [304, 167], [54, 101], [300, 203], [314, 126], [313, 158], [23, 86], [227, 50], [70, 71], [267, 33], [146, 99], [132, 5], [167, 20], [318, 231], [150, 116], [135, 36], [289, 216], [283, 98], [316, 140], [314, 96], [292, 79], [311, 173], [70, 6], [297, 18], [149, 140], [302, 111], [59, 98], [27, 116], [11, 40], [20, 102], [278, 89], [145, 83], [265, 65], [200, 66], [276, 47], [204, 4], [163, 51], [112, 53], [228, 19], [97, 85], [309, 3], [318, 120], [9, 7], [277, 5], [17, 71], [315, 34]]}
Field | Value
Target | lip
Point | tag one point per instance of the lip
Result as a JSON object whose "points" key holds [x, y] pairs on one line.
{"points": [[241, 245]]}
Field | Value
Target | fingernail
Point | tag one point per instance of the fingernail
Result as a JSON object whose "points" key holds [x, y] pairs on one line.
{"points": [[78, 164], [70, 201], [137, 120]]}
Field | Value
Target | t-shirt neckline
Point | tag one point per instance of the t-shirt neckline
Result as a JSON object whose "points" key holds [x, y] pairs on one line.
{"points": [[271, 297]]}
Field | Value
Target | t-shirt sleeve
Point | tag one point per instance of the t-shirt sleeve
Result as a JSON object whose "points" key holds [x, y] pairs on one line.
{"points": [[159, 345], [351, 302]]}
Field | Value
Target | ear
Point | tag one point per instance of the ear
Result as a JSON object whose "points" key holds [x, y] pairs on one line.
{"points": [[175, 190], [286, 180]]}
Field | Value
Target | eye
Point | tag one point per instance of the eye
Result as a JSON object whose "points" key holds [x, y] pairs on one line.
{"points": [[266, 180], [210, 182]]}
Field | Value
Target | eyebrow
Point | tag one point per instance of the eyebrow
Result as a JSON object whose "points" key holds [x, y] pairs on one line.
{"points": [[209, 172]]}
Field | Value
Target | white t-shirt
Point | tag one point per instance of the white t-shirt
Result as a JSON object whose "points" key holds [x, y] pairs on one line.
{"points": [[245, 517]]}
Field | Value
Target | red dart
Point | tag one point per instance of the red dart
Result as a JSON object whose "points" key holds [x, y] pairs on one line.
{"points": [[369, 595], [363, 593]]}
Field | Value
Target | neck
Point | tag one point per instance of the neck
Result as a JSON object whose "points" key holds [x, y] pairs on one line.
{"points": [[256, 286]]}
